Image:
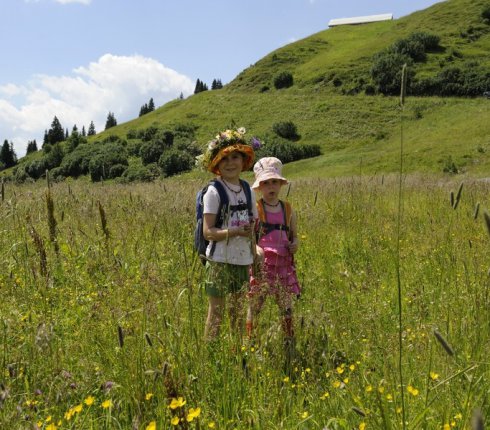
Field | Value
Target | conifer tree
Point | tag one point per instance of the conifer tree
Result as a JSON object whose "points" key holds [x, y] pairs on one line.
{"points": [[151, 105], [84, 133], [55, 133], [111, 121], [198, 87], [8, 158], [67, 134], [91, 129], [31, 146]]}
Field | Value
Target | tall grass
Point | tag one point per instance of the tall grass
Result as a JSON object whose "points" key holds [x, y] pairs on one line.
{"points": [[109, 333]]}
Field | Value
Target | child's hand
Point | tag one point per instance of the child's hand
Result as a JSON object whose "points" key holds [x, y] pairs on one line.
{"points": [[244, 230], [293, 247]]}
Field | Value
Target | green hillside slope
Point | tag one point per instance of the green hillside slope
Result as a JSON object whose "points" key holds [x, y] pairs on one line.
{"points": [[329, 105]]}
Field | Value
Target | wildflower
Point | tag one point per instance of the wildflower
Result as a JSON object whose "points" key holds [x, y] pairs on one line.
{"points": [[174, 421], [369, 388], [458, 416], [336, 384], [340, 370], [177, 403], [68, 414], [381, 390], [286, 379], [107, 404], [325, 395], [304, 415], [212, 425], [51, 426], [413, 391], [193, 413], [152, 426], [77, 409], [89, 401], [446, 427], [362, 426], [352, 367], [148, 396], [389, 397], [434, 376], [346, 381]]}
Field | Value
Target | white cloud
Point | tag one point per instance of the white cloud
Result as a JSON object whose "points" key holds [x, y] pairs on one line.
{"points": [[119, 84]]}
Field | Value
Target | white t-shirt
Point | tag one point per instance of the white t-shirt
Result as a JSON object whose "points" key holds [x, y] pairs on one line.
{"points": [[239, 249]]}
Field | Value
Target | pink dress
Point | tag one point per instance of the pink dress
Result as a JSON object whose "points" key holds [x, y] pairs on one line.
{"points": [[278, 270]]}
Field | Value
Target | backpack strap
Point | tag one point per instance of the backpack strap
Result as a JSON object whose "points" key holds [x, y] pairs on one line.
{"points": [[222, 208], [266, 227], [248, 194]]}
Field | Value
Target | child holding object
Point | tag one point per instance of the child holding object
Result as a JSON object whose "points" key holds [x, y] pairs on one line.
{"points": [[228, 227], [277, 241]]}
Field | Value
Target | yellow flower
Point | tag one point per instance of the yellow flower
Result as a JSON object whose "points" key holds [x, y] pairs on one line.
{"points": [[286, 379], [325, 395], [304, 415], [193, 413], [413, 391], [336, 384], [362, 426], [212, 425], [174, 421], [107, 404], [78, 408], [352, 367], [434, 376], [177, 403], [89, 401], [446, 427], [458, 416], [148, 396], [381, 390], [152, 426], [49, 418], [369, 388], [389, 397], [68, 414], [346, 381], [51, 427], [340, 370]]}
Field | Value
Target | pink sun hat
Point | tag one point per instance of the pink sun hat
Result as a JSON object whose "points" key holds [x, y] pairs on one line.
{"points": [[268, 168]]}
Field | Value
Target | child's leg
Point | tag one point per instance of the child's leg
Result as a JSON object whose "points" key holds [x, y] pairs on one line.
{"points": [[235, 310], [255, 304], [285, 304], [215, 317]]}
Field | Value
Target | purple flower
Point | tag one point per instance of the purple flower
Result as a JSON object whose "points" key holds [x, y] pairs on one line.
{"points": [[256, 143]]}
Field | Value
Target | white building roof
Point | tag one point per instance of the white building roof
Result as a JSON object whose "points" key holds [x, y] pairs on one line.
{"points": [[360, 19]]}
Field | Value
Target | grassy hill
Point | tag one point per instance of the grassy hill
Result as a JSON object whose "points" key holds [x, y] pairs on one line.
{"points": [[328, 104]]}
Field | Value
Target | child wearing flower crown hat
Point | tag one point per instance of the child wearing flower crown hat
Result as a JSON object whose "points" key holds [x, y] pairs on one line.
{"points": [[229, 253], [278, 240]]}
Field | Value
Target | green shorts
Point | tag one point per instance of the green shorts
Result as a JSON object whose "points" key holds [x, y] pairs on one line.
{"points": [[223, 278]]}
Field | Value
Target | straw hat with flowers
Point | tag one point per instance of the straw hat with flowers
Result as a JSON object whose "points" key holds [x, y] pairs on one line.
{"points": [[226, 142]]}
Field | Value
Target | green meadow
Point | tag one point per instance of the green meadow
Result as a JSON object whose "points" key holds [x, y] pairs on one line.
{"points": [[103, 307], [103, 310]]}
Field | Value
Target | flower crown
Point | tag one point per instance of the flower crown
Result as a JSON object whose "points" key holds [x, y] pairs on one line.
{"points": [[222, 140]]}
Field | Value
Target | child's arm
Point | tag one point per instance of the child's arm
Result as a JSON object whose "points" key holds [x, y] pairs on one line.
{"points": [[294, 243], [217, 234]]}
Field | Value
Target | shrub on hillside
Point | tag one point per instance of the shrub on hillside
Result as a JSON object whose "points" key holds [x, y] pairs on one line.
{"points": [[485, 14], [286, 129], [109, 155], [150, 152], [386, 71], [76, 163], [287, 151], [138, 173], [174, 161], [283, 80]]}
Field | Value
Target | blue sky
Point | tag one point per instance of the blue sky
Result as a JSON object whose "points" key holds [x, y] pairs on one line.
{"points": [[80, 59]]}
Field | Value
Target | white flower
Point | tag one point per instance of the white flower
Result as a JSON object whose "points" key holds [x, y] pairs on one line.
{"points": [[211, 145], [241, 130]]}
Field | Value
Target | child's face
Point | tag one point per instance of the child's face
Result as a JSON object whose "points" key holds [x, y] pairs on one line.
{"points": [[231, 165], [270, 188]]}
